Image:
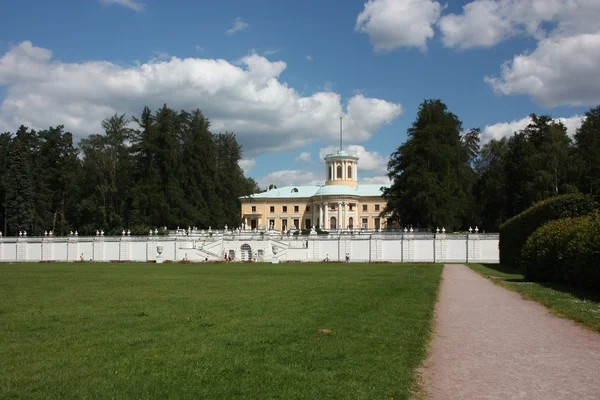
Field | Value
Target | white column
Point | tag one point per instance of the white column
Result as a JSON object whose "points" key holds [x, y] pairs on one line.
{"points": [[325, 216], [345, 215], [321, 225]]}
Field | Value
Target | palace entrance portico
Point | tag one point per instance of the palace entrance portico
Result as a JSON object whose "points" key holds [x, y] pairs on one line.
{"points": [[336, 214], [252, 221]]}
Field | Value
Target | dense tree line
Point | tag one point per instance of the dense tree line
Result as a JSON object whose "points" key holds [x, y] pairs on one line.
{"points": [[442, 177], [169, 171]]}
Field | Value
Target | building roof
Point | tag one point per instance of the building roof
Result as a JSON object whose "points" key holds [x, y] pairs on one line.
{"points": [[296, 192]]}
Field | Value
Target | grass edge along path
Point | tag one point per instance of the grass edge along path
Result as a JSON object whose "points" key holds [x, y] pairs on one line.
{"points": [[578, 305], [225, 331]]}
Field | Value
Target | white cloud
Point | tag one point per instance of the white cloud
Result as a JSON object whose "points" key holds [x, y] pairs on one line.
{"points": [[290, 177], [507, 129], [248, 99], [391, 24], [133, 4], [304, 157], [485, 23], [367, 160], [375, 180], [199, 48], [561, 70], [238, 25], [309, 57], [247, 164]]}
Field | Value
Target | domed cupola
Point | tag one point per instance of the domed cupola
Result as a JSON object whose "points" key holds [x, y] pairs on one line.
{"points": [[341, 168]]}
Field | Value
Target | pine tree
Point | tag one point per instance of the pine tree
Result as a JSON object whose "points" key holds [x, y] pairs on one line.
{"points": [[19, 189]]}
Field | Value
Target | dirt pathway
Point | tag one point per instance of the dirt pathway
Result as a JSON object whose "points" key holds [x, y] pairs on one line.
{"points": [[492, 344]]}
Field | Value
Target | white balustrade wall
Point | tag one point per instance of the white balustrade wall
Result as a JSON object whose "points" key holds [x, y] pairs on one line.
{"points": [[270, 247]]}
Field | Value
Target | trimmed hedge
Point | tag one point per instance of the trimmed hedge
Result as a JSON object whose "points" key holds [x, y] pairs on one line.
{"points": [[565, 251], [515, 231]]}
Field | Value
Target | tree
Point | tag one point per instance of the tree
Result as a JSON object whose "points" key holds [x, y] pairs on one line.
{"points": [[432, 171], [19, 189], [5, 143], [587, 142]]}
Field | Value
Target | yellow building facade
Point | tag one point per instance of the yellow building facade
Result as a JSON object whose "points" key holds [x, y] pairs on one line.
{"points": [[340, 204]]}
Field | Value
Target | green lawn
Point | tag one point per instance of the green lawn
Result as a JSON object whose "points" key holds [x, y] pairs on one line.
{"points": [[582, 306], [214, 331]]}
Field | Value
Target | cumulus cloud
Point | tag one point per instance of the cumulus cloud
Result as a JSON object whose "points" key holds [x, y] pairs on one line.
{"points": [[247, 164], [246, 98], [290, 177], [367, 160], [309, 57], [485, 23], [391, 24], [304, 157], [238, 25], [561, 70], [507, 129], [133, 4]]}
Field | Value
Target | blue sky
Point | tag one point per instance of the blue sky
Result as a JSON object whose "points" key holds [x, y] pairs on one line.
{"points": [[289, 69]]}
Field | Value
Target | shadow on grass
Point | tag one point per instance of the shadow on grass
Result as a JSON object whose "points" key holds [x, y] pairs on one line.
{"points": [[512, 274], [580, 293]]}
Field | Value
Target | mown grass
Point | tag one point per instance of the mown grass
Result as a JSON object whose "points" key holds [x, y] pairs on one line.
{"points": [[205, 331], [579, 305]]}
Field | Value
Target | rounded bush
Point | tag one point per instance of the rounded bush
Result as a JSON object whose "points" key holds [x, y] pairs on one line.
{"points": [[565, 251], [515, 231]]}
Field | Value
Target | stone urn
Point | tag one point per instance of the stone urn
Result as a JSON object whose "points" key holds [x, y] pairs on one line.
{"points": [[159, 250]]}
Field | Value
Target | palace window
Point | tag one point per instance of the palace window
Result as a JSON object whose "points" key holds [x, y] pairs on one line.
{"points": [[365, 223], [253, 209], [307, 208], [330, 173], [365, 207], [339, 172], [272, 209], [332, 206], [307, 224], [350, 207], [297, 224], [349, 172], [296, 209], [377, 223], [376, 207], [284, 208]]}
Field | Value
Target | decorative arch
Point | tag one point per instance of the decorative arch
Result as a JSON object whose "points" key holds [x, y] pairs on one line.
{"points": [[295, 190], [351, 223], [339, 172], [246, 252], [349, 171]]}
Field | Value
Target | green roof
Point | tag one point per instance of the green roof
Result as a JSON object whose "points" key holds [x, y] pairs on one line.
{"points": [[296, 192]]}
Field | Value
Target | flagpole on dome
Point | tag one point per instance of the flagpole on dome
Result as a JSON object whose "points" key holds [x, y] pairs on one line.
{"points": [[341, 148]]}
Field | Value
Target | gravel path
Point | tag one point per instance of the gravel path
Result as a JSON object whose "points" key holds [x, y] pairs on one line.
{"points": [[492, 344]]}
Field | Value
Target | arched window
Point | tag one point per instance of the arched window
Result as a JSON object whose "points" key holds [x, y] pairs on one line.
{"points": [[330, 173], [332, 222], [246, 252], [350, 223], [349, 171], [294, 190], [339, 172]]}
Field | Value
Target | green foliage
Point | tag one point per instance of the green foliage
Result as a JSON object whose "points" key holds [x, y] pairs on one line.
{"points": [[587, 141], [432, 171], [172, 171], [19, 188], [515, 231], [565, 251]]}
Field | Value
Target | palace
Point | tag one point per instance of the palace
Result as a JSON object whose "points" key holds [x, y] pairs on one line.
{"points": [[340, 204]]}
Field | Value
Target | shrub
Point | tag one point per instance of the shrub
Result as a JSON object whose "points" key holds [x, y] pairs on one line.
{"points": [[565, 251], [515, 231]]}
